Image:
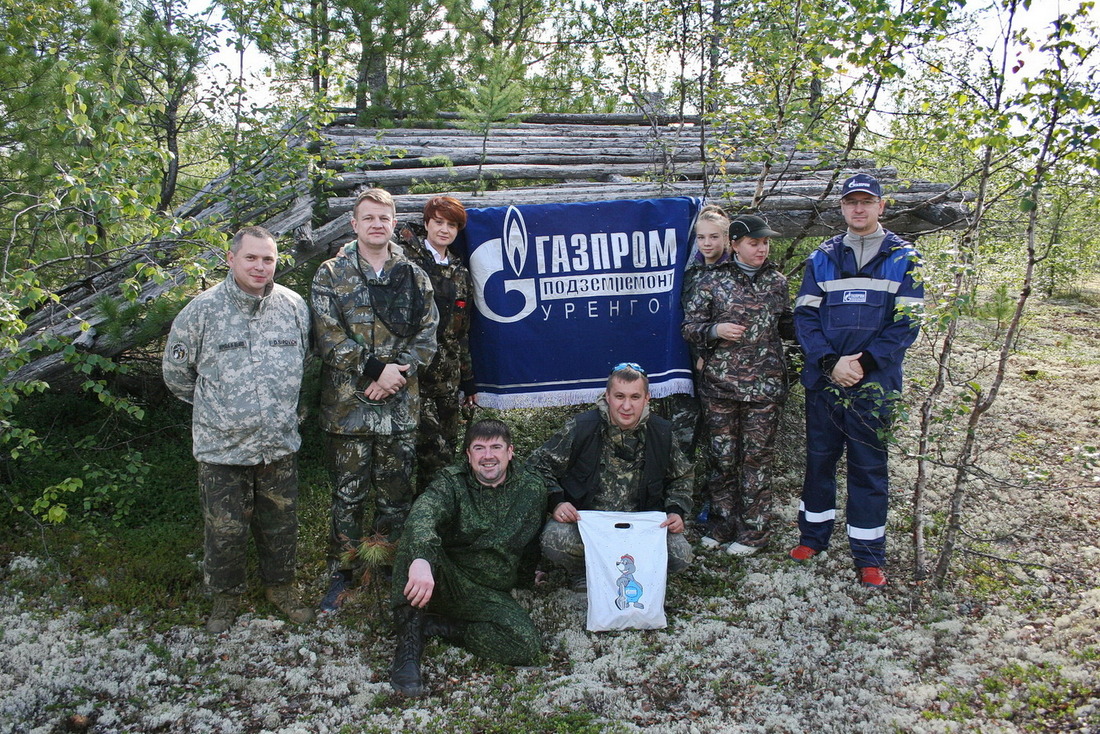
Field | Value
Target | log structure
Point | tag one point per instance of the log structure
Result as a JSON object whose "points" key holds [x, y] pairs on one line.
{"points": [[533, 160]]}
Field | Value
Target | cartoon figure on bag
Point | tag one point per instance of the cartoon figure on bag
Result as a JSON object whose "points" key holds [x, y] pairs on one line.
{"points": [[630, 591]]}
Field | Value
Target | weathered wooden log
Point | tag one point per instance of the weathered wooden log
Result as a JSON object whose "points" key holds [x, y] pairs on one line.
{"points": [[549, 118]]}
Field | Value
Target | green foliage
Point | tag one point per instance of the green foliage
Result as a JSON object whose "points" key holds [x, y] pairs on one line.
{"points": [[49, 506], [18, 293], [493, 103], [137, 321], [113, 489]]}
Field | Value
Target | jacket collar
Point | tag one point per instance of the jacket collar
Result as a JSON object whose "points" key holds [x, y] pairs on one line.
{"points": [[247, 302]]}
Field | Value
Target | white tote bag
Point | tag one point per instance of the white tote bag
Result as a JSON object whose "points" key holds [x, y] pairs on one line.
{"points": [[626, 560]]}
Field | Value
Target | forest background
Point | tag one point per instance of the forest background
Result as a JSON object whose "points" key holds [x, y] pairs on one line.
{"points": [[115, 115]]}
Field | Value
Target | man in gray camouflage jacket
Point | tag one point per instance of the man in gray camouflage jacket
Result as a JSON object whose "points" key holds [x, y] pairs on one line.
{"points": [[237, 353], [375, 319]]}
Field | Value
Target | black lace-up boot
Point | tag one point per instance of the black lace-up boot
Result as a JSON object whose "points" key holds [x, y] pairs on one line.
{"points": [[405, 670]]}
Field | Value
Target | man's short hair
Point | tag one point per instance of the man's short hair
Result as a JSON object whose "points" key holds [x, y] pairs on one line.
{"points": [[628, 372], [485, 429], [447, 208], [260, 232], [380, 196]]}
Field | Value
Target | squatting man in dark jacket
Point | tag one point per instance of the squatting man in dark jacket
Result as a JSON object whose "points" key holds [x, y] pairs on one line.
{"points": [[459, 556], [618, 458]]}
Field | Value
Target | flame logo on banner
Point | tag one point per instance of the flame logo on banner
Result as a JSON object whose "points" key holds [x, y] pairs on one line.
{"points": [[515, 239], [488, 259]]}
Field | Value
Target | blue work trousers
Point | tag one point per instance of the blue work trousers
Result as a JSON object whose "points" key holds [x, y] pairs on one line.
{"points": [[835, 422]]}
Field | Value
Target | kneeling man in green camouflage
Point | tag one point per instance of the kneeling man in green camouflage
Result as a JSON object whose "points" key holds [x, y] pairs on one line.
{"points": [[459, 556]]}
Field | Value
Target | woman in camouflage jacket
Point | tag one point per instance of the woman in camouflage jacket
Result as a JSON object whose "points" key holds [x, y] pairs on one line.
{"points": [[735, 317], [451, 370]]}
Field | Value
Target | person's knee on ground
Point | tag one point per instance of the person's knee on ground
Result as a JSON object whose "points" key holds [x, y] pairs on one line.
{"points": [[561, 544]]}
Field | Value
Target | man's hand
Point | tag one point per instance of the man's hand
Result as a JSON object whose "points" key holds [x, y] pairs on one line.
{"points": [[388, 383], [674, 523], [421, 583], [848, 371], [566, 512], [729, 332]]}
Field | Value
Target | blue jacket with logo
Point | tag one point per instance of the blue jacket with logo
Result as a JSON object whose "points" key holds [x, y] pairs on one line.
{"points": [[841, 310]]}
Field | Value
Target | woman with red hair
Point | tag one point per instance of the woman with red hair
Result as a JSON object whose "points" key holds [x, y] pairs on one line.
{"points": [[450, 375]]}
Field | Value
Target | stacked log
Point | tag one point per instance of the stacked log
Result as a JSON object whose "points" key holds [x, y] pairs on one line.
{"points": [[558, 159]]}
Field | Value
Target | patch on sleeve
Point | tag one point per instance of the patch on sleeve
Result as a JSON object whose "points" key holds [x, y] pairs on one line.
{"points": [[179, 352]]}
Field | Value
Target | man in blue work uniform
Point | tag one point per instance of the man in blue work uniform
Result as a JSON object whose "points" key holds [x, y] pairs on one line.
{"points": [[854, 317]]}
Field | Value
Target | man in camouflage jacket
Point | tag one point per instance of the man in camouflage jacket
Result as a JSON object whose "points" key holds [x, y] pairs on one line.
{"points": [[236, 353], [618, 458], [451, 371], [374, 319], [459, 557]]}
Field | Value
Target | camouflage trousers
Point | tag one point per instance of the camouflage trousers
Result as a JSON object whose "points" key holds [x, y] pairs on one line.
{"points": [[262, 499], [497, 627], [742, 442], [562, 545], [689, 430], [358, 464], [436, 436], [687, 424]]}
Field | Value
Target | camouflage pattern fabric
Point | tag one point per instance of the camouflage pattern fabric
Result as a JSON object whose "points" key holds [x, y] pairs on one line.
{"points": [[474, 537], [238, 359], [622, 455], [350, 335], [686, 411], [743, 445], [237, 499], [358, 464], [454, 299], [751, 368], [437, 435], [689, 431], [685, 415], [742, 385], [562, 545]]}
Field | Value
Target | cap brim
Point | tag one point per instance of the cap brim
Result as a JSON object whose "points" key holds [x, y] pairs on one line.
{"points": [[763, 233]]}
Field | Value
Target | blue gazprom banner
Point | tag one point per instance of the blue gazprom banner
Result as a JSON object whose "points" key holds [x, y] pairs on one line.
{"points": [[564, 292]]}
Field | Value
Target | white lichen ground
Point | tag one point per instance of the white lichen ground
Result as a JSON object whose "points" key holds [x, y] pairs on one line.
{"points": [[753, 645]]}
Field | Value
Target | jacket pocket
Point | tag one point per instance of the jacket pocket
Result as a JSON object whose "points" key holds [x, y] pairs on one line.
{"points": [[855, 309]]}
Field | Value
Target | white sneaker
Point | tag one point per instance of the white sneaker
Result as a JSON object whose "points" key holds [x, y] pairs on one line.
{"points": [[737, 549]]}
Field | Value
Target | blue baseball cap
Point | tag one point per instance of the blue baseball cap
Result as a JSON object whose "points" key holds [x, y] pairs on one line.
{"points": [[861, 183]]}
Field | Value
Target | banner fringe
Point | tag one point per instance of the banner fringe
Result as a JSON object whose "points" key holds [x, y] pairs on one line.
{"points": [[579, 396]]}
